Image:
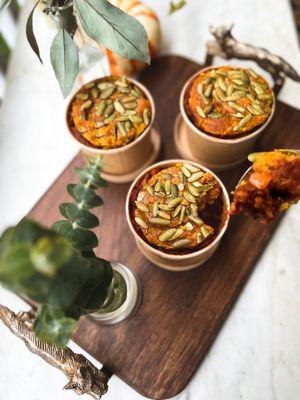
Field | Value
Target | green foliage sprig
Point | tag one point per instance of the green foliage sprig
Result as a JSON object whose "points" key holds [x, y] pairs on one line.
{"points": [[57, 268], [176, 5]]}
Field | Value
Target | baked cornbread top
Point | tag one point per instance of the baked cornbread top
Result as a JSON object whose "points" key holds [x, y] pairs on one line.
{"points": [[110, 112], [228, 102], [178, 207]]}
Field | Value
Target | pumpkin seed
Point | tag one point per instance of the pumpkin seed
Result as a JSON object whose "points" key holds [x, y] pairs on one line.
{"points": [[130, 105], [243, 122], [122, 118], [205, 232], [168, 186], [213, 73], [252, 110], [100, 107], [174, 190], [237, 81], [236, 106], [141, 222], [215, 115], [122, 129], [141, 206], [258, 88], [174, 202], [94, 93], [200, 112], [164, 215], [182, 214], [86, 105], [159, 221], [220, 94], [188, 226], [208, 90], [177, 234], [208, 108], [107, 92], [155, 209], [128, 125], [118, 107], [167, 235], [200, 238], [149, 189], [146, 116], [195, 176], [252, 73], [121, 83], [194, 210], [157, 186], [164, 206], [181, 243], [189, 197], [180, 186], [130, 112], [89, 85], [135, 118], [229, 90], [82, 96], [135, 93], [200, 88], [238, 115], [197, 221], [221, 72], [109, 110], [99, 124], [197, 184], [193, 190], [191, 167], [204, 188], [128, 99], [176, 211], [265, 96], [235, 96], [221, 84], [105, 85], [165, 175], [123, 90], [186, 172]]}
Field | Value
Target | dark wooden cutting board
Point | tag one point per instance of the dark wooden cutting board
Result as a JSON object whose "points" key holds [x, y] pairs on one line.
{"points": [[157, 351]]}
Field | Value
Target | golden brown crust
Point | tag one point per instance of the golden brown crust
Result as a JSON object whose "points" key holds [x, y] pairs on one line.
{"points": [[109, 120], [272, 186], [228, 102], [172, 205]]}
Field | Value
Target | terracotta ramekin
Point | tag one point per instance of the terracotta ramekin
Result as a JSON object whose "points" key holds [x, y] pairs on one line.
{"points": [[124, 163], [214, 152], [177, 262]]}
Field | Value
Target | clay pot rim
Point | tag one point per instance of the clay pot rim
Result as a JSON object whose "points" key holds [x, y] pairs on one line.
{"points": [[127, 146], [213, 138], [160, 252]]}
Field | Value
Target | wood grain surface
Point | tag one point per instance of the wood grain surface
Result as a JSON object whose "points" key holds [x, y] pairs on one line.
{"points": [[159, 348]]}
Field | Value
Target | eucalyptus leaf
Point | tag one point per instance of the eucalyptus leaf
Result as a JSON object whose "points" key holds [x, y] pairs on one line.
{"points": [[52, 326], [65, 61], [176, 5], [80, 239], [116, 30], [30, 33], [91, 173], [87, 196], [82, 217]]}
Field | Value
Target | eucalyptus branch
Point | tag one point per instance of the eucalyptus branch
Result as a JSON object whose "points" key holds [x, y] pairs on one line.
{"points": [[57, 268]]}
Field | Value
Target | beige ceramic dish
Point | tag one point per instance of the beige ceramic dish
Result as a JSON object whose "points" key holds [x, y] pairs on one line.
{"points": [[175, 262], [124, 163], [213, 152]]}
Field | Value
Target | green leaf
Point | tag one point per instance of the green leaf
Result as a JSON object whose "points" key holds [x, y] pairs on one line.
{"points": [[48, 255], [29, 231], [52, 326], [175, 6], [116, 30], [82, 217], [16, 265], [91, 173], [87, 196], [30, 34], [65, 61], [4, 4], [80, 239]]}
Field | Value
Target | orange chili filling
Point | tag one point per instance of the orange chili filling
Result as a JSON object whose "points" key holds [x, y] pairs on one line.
{"points": [[228, 102], [178, 209], [272, 185], [109, 112]]}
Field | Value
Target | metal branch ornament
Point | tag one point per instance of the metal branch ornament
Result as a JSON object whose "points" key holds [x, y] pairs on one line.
{"points": [[226, 46], [84, 377]]}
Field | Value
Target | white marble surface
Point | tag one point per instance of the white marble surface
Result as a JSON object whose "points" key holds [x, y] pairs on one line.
{"points": [[257, 353]]}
